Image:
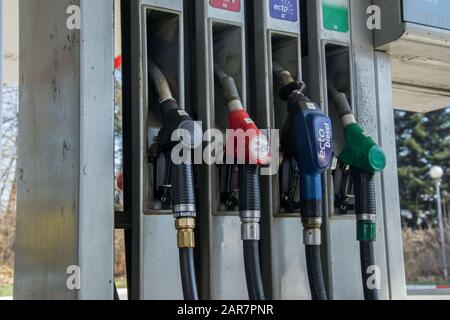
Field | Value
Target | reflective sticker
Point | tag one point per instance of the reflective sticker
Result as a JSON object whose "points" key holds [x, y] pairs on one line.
{"points": [[311, 106], [230, 5], [284, 10], [324, 138]]}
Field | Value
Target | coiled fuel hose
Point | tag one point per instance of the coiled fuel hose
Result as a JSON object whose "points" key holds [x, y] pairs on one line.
{"points": [[182, 179], [365, 158], [307, 138], [249, 190]]}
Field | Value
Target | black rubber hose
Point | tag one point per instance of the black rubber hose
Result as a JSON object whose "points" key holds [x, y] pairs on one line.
{"points": [[367, 252], [188, 276], [253, 270], [365, 199], [184, 194], [249, 188], [183, 184], [366, 205], [250, 200], [315, 276]]}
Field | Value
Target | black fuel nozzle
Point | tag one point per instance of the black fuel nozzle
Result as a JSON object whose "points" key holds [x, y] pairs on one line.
{"points": [[289, 174], [229, 189], [178, 127], [344, 195]]}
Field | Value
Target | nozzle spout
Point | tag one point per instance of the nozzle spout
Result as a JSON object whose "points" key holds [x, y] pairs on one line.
{"points": [[283, 75], [342, 105], [229, 88], [160, 81]]}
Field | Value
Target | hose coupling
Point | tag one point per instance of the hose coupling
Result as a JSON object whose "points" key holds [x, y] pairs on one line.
{"points": [[366, 227], [312, 234], [250, 228], [185, 235], [367, 217], [312, 223], [185, 211]]}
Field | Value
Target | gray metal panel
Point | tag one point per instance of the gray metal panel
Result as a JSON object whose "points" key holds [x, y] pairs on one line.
{"points": [[227, 260], [222, 267], [394, 247], [160, 266], [137, 148], [284, 267], [289, 263], [49, 140], [65, 153], [343, 270], [175, 5], [345, 265], [366, 111], [65, 168], [315, 76], [96, 167]]}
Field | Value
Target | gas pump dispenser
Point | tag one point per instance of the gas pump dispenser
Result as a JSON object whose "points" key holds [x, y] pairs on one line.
{"points": [[274, 36], [179, 177], [257, 152], [365, 158], [307, 138], [221, 38]]}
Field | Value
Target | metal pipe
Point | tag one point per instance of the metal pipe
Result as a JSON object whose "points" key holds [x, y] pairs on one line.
{"points": [[441, 229]]}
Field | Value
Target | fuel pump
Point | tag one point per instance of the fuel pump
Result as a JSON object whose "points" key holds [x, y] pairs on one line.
{"points": [[307, 138], [363, 158], [178, 185], [256, 154]]}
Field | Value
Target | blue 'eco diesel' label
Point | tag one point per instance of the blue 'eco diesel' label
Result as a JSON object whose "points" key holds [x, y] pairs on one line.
{"points": [[284, 9], [324, 138]]}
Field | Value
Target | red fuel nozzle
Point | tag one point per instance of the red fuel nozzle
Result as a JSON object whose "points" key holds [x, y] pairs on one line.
{"points": [[247, 143]]}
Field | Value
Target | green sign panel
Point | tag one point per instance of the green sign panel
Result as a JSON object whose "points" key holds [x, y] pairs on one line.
{"points": [[335, 15]]}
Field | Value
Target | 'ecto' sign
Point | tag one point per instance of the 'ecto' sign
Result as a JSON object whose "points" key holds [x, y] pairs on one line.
{"points": [[284, 10]]}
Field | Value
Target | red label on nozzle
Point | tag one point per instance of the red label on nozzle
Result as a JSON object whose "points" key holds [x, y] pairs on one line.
{"points": [[230, 5]]}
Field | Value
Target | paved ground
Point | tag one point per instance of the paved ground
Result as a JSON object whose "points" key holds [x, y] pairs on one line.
{"points": [[413, 294]]}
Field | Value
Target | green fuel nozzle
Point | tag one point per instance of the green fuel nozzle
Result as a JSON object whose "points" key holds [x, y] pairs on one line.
{"points": [[360, 151]]}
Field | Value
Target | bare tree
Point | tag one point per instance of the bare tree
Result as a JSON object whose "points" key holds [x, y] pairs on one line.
{"points": [[8, 184]]}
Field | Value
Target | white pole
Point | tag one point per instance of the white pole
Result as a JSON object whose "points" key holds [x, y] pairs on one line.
{"points": [[441, 228], [1, 78]]}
